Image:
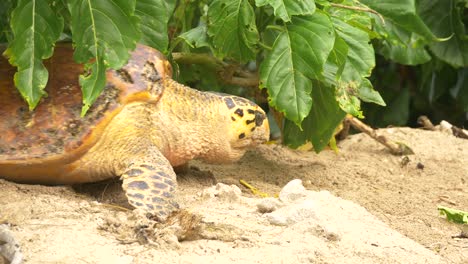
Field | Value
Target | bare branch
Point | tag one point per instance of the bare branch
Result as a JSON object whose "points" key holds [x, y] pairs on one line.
{"points": [[396, 148]]}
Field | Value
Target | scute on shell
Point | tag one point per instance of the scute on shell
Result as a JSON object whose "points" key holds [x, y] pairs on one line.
{"points": [[55, 127]]}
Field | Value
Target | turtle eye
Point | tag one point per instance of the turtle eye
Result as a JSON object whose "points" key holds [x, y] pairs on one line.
{"points": [[259, 117]]}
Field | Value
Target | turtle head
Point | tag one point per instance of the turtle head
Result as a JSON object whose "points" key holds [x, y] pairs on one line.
{"points": [[248, 124]]}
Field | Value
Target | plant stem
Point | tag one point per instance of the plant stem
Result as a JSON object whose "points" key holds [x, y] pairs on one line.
{"points": [[226, 73], [357, 8], [263, 45], [275, 27]]}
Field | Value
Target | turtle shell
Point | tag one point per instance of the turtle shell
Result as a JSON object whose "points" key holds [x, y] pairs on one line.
{"points": [[55, 128]]}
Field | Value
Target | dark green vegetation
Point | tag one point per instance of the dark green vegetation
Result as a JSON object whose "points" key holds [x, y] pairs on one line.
{"points": [[314, 58]]}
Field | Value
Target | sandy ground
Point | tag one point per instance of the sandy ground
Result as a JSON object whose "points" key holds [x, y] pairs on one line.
{"points": [[362, 205]]}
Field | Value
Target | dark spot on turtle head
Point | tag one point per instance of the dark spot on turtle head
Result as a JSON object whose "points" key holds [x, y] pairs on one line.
{"points": [[232, 118], [229, 102], [239, 112], [150, 73], [248, 122], [139, 185], [134, 172], [136, 195], [242, 101], [159, 185], [252, 129], [259, 117], [242, 135], [251, 111], [146, 166], [124, 75]]}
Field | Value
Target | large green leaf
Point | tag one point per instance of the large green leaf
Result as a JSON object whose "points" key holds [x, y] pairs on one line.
{"points": [[285, 9], [367, 93], [361, 58], [319, 126], [444, 18], [35, 29], [232, 27], [298, 56], [154, 15], [402, 13], [196, 37], [105, 30], [403, 47], [359, 64], [334, 66]]}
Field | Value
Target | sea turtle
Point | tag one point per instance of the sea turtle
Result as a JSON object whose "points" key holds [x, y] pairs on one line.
{"points": [[142, 125]]}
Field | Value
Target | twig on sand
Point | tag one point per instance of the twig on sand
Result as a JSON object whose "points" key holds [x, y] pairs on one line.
{"points": [[396, 148]]}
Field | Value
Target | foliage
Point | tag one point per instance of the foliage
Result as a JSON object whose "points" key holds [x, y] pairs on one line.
{"points": [[438, 85], [312, 58], [454, 215]]}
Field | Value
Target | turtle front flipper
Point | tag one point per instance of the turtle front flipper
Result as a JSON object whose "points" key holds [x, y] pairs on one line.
{"points": [[149, 184]]}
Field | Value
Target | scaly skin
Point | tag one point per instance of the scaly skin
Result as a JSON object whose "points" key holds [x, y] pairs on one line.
{"points": [[185, 124], [144, 141]]}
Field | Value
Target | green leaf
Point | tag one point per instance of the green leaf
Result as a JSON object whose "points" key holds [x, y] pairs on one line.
{"points": [[298, 56], [401, 45], [105, 30], [444, 18], [95, 79], [347, 97], [406, 53], [361, 58], [232, 28], [402, 13], [359, 63], [367, 93], [319, 126], [154, 16], [35, 29], [196, 37], [285, 9], [334, 66], [454, 215]]}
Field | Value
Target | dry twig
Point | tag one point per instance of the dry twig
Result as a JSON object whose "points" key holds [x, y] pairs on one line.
{"points": [[396, 148]]}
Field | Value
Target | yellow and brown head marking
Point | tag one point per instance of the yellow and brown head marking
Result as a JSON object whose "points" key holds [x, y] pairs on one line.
{"points": [[248, 126]]}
